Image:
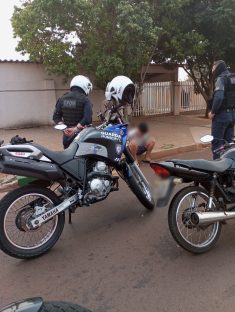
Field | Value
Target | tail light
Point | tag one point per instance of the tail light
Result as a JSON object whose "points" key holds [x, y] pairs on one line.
{"points": [[160, 171]]}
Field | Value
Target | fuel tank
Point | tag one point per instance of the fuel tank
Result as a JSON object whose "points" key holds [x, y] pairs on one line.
{"points": [[107, 144]]}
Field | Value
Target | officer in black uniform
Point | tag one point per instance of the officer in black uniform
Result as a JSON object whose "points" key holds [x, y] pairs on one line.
{"points": [[74, 109], [222, 112]]}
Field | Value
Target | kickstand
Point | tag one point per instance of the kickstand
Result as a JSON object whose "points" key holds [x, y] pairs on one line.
{"points": [[70, 217]]}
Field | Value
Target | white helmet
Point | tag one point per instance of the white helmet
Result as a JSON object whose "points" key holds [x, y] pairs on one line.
{"points": [[82, 82], [122, 89]]}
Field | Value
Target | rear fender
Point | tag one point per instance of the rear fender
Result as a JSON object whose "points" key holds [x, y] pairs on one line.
{"points": [[168, 172], [23, 151], [186, 174], [31, 168]]}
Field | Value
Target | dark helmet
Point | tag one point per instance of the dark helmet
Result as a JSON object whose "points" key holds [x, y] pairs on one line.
{"points": [[218, 68]]}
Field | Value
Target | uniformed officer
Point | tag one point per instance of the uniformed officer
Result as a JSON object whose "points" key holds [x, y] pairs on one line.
{"points": [[222, 112], [74, 108]]}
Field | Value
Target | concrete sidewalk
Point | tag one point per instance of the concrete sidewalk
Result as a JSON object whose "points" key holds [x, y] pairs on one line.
{"points": [[178, 134], [174, 134]]}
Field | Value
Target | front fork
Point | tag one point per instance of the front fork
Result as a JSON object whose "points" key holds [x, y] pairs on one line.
{"points": [[132, 167]]}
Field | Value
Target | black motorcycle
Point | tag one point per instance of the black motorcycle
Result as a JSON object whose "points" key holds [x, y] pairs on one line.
{"points": [[197, 212], [32, 217]]}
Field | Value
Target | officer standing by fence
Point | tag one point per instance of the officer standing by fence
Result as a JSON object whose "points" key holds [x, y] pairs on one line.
{"points": [[74, 108], [222, 111]]}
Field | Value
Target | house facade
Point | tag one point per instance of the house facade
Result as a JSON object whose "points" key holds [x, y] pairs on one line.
{"points": [[28, 95]]}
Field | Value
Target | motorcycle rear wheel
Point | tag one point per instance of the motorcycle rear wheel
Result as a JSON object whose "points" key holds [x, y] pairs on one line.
{"points": [[187, 235], [16, 239]]}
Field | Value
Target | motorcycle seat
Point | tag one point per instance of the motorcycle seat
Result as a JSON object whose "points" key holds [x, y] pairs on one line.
{"points": [[60, 157], [219, 166]]}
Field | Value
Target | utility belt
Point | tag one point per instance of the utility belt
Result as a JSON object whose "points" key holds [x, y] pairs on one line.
{"points": [[228, 110]]}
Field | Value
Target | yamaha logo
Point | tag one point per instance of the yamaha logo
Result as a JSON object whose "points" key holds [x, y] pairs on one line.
{"points": [[50, 214]]}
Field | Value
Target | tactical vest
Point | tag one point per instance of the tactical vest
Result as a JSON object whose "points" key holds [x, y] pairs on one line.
{"points": [[73, 107], [229, 92]]}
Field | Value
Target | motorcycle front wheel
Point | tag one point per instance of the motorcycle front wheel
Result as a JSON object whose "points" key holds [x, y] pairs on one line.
{"points": [[140, 187], [195, 239], [16, 209]]}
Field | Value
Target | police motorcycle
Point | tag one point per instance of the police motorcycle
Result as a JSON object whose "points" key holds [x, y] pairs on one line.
{"points": [[38, 305], [32, 217], [197, 211]]}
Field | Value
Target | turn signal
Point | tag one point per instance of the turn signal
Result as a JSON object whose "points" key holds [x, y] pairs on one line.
{"points": [[160, 171]]}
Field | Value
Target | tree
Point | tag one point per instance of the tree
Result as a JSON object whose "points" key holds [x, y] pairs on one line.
{"points": [[195, 34], [103, 38]]}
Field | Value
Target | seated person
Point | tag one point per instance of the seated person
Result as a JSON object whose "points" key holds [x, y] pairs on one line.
{"points": [[140, 142]]}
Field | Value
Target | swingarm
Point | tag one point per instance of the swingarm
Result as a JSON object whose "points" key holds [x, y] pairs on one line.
{"points": [[36, 222]]}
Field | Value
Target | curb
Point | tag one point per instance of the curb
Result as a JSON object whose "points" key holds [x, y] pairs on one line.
{"points": [[178, 150], [9, 187]]}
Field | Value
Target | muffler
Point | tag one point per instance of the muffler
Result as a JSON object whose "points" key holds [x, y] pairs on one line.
{"points": [[205, 218]]}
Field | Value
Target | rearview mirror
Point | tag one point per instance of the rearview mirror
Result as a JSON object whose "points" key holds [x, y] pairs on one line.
{"points": [[207, 138], [60, 127]]}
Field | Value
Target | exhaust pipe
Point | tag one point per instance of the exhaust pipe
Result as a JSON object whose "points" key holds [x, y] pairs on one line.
{"points": [[205, 218]]}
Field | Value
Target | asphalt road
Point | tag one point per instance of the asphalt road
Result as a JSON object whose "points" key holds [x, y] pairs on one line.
{"points": [[116, 257]]}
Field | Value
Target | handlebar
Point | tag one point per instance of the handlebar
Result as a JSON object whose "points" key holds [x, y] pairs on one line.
{"points": [[110, 111]]}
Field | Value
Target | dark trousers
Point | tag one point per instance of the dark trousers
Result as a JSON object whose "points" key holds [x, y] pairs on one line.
{"points": [[222, 130], [67, 140]]}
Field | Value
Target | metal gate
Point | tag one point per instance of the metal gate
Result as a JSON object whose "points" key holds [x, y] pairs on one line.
{"points": [[156, 99], [159, 98], [190, 101]]}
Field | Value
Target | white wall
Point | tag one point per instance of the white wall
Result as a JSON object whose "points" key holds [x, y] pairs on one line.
{"points": [[28, 95]]}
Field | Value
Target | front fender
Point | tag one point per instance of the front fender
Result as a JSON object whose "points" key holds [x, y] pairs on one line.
{"points": [[27, 305]]}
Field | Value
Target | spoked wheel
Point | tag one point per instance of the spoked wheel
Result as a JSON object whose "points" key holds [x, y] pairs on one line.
{"points": [[17, 239], [195, 239]]}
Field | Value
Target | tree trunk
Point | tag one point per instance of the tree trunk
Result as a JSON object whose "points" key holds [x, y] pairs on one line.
{"points": [[140, 87], [207, 110]]}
